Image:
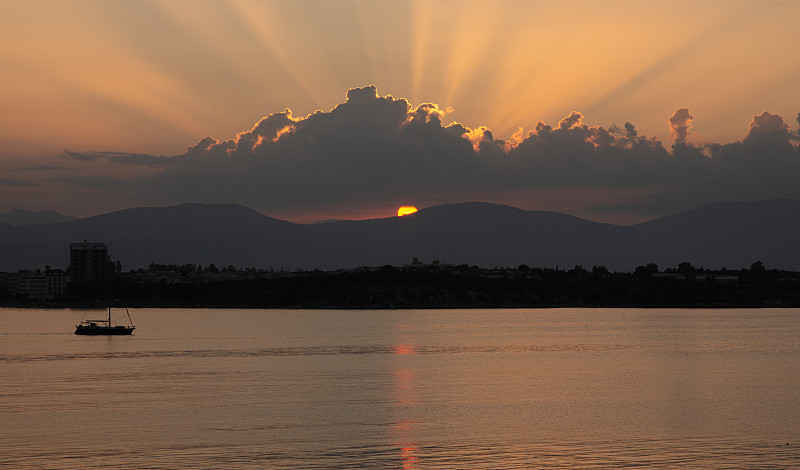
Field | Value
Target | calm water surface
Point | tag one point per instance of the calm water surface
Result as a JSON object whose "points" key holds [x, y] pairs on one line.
{"points": [[407, 389]]}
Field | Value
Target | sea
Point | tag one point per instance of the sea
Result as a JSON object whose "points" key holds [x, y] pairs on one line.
{"points": [[403, 389]]}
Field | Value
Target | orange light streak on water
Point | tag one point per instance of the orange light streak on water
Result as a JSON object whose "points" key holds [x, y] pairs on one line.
{"points": [[408, 457], [403, 349]]}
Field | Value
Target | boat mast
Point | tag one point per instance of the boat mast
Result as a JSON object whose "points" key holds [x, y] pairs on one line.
{"points": [[109, 293]]}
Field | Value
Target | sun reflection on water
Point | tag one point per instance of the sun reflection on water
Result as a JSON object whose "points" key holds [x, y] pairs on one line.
{"points": [[404, 398], [408, 457], [403, 349]]}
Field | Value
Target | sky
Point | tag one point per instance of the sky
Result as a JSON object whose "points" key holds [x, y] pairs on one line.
{"points": [[616, 111]]}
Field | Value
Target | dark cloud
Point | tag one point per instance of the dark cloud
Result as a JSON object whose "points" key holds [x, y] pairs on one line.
{"points": [[366, 148], [15, 182], [679, 124], [92, 181], [764, 165], [373, 149], [137, 159], [574, 154], [83, 156], [630, 130], [574, 119], [42, 168], [125, 158], [767, 127]]}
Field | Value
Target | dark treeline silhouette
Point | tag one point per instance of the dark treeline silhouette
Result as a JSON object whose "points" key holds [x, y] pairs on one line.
{"points": [[454, 286]]}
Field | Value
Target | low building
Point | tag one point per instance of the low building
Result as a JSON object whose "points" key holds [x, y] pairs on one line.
{"points": [[717, 278], [5, 285], [57, 283], [35, 285], [30, 284]]}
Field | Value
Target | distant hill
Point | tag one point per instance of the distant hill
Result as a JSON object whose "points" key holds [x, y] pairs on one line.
{"points": [[729, 235], [17, 217]]}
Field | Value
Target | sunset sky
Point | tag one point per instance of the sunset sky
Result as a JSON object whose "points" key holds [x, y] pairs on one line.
{"points": [[565, 106]]}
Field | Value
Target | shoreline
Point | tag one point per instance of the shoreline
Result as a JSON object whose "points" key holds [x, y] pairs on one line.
{"points": [[390, 288]]}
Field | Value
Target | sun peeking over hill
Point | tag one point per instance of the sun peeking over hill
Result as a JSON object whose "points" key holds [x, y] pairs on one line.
{"points": [[405, 210]]}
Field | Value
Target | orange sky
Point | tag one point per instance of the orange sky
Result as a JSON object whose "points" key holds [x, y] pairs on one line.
{"points": [[154, 77]]}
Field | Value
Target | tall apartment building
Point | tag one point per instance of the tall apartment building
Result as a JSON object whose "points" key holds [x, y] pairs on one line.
{"points": [[89, 263]]}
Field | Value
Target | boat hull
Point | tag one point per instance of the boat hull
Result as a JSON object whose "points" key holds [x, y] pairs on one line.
{"points": [[103, 330]]}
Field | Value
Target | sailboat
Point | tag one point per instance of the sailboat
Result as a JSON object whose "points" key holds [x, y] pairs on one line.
{"points": [[105, 327]]}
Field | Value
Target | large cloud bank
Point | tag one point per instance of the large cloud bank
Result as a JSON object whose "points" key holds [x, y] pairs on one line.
{"points": [[373, 148]]}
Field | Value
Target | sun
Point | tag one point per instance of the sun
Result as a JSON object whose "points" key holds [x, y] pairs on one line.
{"points": [[405, 210]]}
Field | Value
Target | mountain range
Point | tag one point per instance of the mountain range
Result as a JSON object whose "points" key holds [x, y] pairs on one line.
{"points": [[731, 235], [17, 217]]}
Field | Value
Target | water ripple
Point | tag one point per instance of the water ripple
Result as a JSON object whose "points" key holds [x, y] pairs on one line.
{"points": [[697, 453], [377, 349]]}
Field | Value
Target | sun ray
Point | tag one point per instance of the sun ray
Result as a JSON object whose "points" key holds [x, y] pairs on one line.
{"points": [[421, 25], [472, 39], [178, 70], [260, 19], [109, 72], [386, 47]]}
